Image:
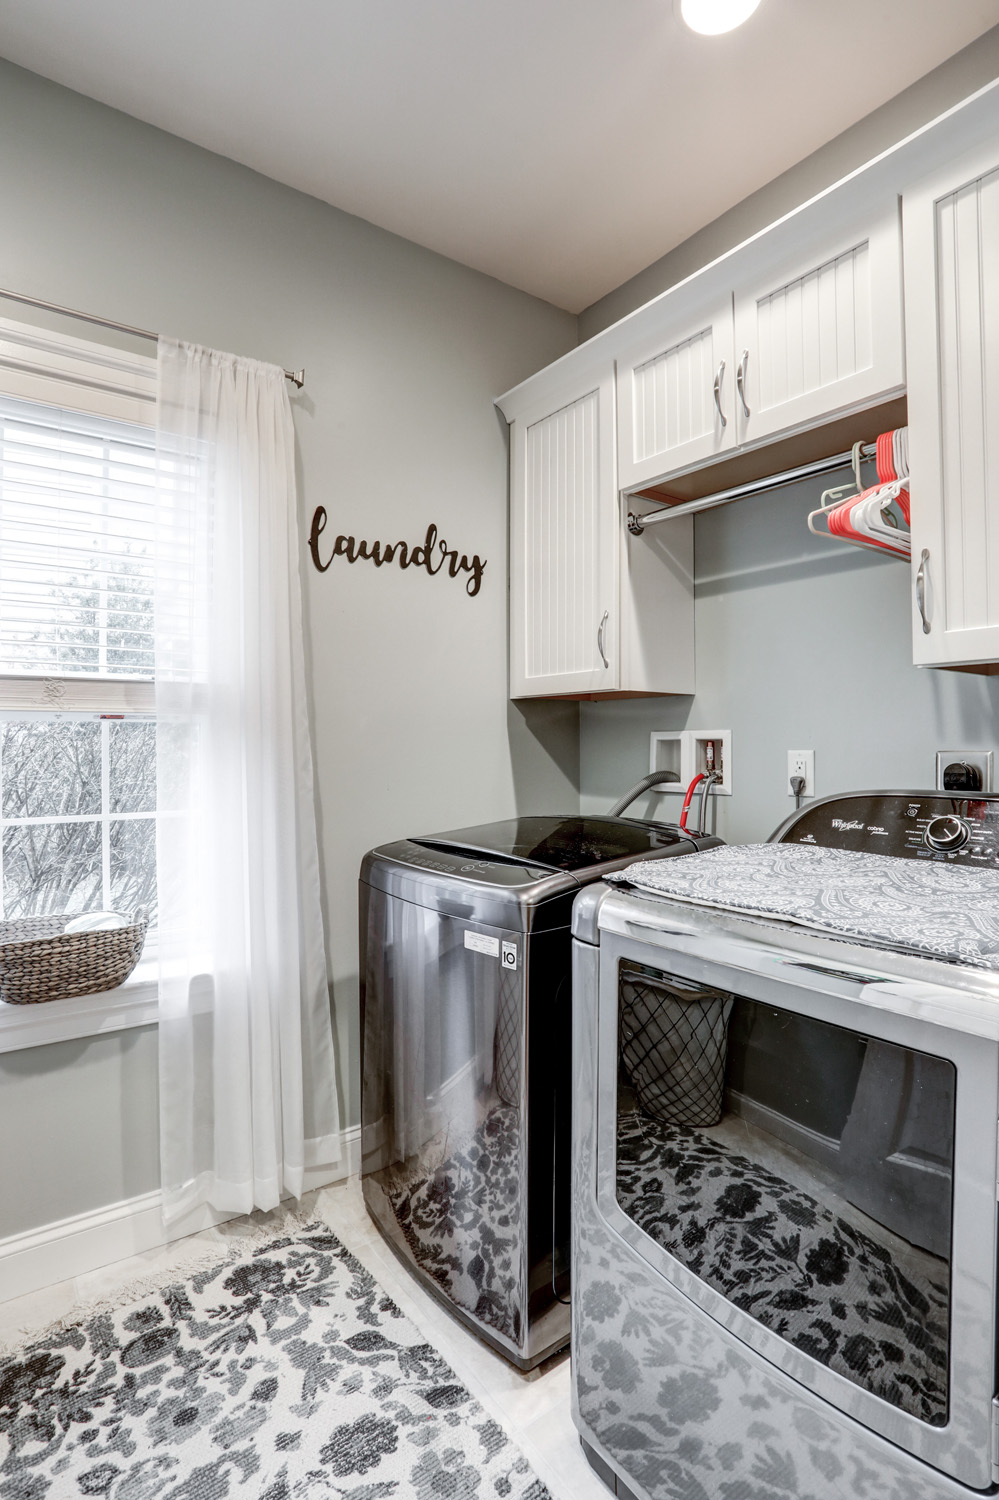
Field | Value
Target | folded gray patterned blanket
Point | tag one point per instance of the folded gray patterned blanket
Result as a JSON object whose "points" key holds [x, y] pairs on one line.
{"points": [[926, 907]]}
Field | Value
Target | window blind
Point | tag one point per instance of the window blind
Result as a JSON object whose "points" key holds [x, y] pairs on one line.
{"points": [[76, 538]]}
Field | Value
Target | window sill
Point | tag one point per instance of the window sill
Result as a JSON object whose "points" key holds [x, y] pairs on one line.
{"points": [[133, 1003]]}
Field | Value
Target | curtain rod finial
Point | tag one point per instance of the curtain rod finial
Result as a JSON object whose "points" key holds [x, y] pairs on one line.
{"points": [[297, 377]]}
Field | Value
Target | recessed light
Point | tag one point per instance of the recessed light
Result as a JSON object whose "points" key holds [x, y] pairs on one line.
{"points": [[712, 17]]}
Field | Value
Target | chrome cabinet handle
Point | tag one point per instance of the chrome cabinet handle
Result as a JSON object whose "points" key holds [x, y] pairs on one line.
{"points": [[600, 640], [921, 591], [740, 380], [718, 381]]}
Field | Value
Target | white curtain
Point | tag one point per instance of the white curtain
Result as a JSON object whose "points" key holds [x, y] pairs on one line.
{"points": [[247, 1088]]}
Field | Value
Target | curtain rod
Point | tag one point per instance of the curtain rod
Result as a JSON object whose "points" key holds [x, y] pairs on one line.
{"points": [[297, 377], [637, 524]]}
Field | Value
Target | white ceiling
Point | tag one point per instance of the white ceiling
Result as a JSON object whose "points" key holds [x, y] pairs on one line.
{"points": [[560, 145]]}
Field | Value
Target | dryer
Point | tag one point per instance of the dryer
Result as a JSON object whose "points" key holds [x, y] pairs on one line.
{"points": [[786, 1094]]}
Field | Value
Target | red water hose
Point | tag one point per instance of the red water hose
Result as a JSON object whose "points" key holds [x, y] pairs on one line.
{"points": [[686, 801]]}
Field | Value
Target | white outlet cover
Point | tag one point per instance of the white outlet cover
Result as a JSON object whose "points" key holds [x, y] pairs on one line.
{"points": [[801, 763]]}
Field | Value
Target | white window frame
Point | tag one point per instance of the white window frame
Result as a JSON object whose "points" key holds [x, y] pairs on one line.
{"points": [[57, 369], [106, 816]]}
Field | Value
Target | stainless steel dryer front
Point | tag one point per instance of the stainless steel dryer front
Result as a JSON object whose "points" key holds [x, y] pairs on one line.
{"points": [[798, 1297]]}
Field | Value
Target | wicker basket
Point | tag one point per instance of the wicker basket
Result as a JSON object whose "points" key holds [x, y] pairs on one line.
{"points": [[39, 961]]}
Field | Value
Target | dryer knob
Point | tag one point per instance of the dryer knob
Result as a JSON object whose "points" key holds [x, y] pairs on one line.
{"points": [[947, 834]]}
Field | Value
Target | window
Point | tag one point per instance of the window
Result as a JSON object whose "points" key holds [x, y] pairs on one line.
{"points": [[77, 814], [76, 524], [77, 736]]}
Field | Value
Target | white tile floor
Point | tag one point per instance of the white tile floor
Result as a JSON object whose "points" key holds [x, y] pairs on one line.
{"points": [[532, 1409]]}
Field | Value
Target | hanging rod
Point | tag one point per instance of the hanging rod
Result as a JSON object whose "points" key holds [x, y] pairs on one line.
{"points": [[297, 377], [637, 524]]}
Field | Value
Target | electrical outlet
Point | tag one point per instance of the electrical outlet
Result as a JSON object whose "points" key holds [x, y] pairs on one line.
{"points": [[801, 763], [981, 760]]}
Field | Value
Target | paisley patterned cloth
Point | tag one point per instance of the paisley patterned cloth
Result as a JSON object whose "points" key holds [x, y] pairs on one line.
{"points": [[287, 1375], [925, 907], [780, 1255]]}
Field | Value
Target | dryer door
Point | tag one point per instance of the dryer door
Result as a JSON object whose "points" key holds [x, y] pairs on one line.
{"points": [[818, 1174]]}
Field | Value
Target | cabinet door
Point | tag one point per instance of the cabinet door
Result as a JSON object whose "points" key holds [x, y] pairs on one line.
{"points": [[819, 333], [564, 549], [951, 237], [676, 394]]}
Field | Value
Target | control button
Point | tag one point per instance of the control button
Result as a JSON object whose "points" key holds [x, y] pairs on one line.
{"points": [[947, 834]]}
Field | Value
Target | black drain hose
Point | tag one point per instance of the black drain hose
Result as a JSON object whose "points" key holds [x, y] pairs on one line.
{"points": [[655, 778]]}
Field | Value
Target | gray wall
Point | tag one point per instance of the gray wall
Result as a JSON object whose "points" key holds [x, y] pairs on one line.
{"points": [[801, 644], [968, 70], [404, 352], [80, 1127]]}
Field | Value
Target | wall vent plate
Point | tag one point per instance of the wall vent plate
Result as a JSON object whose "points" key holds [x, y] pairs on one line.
{"points": [[722, 741], [686, 752], [666, 754], [982, 759]]}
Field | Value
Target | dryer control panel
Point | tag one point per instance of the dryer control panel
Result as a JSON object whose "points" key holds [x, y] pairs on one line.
{"points": [[910, 825]]}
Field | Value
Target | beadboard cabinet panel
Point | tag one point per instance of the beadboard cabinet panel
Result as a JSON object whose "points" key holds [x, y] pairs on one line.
{"points": [[816, 330], [820, 331], [675, 393], [594, 611], [951, 236], [564, 549]]}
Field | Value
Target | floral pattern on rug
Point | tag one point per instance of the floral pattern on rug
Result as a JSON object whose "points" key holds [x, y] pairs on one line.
{"points": [[800, 1270], [286, 1375], [461, 1220]]}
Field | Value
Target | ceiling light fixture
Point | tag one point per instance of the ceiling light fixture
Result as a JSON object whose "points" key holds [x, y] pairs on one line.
{"points": [[712, 17]]}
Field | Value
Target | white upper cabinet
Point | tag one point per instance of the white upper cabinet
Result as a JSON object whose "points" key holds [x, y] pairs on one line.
{"points": [[951, 240], [801, 325], [593, 610], [818, 332], [676, 393], [564, 548], [797, 330]]}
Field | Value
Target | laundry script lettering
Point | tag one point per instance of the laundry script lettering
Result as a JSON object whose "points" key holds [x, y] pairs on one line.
{"points": [[432, 553]]}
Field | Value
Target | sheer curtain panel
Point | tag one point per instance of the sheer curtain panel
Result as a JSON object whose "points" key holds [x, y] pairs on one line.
{"points": [[247, 1090]]}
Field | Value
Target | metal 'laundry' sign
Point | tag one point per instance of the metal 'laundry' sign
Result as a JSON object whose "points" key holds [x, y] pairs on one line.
{"points": [[431, 554]]}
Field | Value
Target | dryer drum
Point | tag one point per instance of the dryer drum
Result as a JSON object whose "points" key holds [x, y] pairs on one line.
{"points": [[674, 1045]]}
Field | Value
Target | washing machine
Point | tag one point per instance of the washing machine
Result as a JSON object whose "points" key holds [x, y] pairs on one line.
{"points": [[786, 1094], [466, 1016]]}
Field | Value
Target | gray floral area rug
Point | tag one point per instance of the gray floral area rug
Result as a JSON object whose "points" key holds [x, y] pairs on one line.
{"points": [[781, 1256], [460, 1218], [287, 1374]]}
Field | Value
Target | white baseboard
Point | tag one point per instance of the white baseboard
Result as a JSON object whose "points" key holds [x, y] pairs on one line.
{"points": [[39, 1258]]}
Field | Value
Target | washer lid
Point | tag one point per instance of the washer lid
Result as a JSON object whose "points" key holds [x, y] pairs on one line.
{"points": [[571, 843]]}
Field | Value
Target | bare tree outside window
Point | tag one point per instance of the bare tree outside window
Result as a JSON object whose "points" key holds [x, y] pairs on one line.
{"points": [[79, 800], [77, 790]]}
